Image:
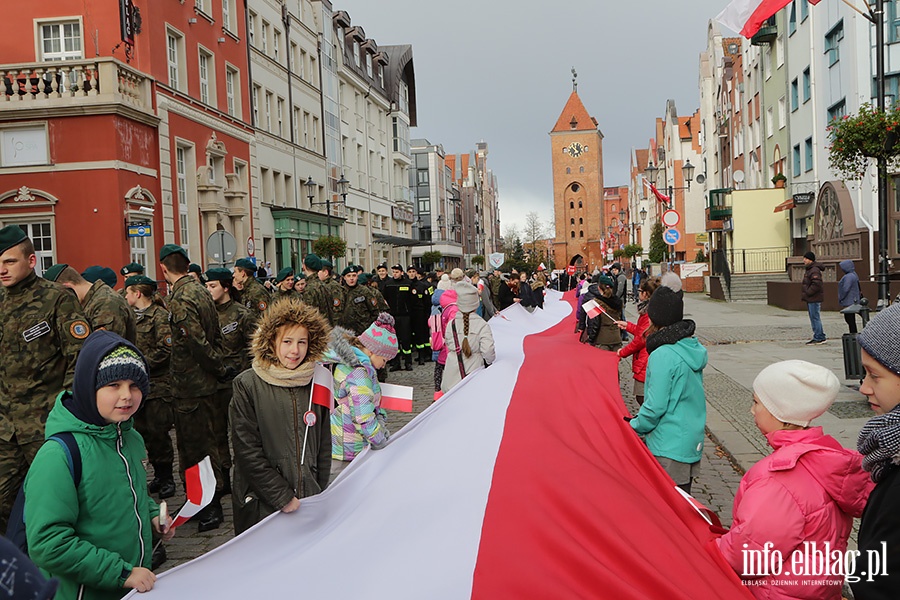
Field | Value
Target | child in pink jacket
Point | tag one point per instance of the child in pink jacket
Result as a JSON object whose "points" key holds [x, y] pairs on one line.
{"points": [[801, 498]]}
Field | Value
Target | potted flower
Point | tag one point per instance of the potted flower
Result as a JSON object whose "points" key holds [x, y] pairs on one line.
{"points": [[779, 180], [855, 139]]}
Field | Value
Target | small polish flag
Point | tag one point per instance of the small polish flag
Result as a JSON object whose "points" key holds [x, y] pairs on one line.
{"points": [[659, 195], [592, 309], [323, 386], [747, 16], [200, 484], [396, 397]]}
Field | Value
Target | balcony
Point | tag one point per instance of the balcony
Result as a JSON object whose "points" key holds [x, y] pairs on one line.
{"points": [[83, 87], [766, 35], [718, 212]]}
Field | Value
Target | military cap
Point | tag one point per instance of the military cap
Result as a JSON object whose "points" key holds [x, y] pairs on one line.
{"points": [[132, 268], [219, 274], [195, 268], [54, 271], [245, 263], [382, 266], [300, 276], [10, 236], [326, 264], [363, 278], [414, 268], [359, 268], [398, 267], [172, 249], [140, 280], [105, 274], [284, 274], [348, 270], [313, 262]]}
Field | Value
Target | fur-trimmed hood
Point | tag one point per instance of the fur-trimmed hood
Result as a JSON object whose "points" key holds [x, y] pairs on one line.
{"points": [[340, 350], [284, 312]]}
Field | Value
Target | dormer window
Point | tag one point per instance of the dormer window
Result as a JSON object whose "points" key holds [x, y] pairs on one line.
{"points": [[355, 53]]}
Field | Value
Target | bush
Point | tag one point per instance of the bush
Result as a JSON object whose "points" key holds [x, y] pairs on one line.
{"points": [[432, 257], [857, 138], [700, 258], [330, 246], [478, 260], [658, 246]]}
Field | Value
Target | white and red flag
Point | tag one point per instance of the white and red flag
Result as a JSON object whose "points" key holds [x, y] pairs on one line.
{"points": [[592, 309], [747, 16], [323, 386], [590, 515], [396, 397], [200, 488], [659, 195]]}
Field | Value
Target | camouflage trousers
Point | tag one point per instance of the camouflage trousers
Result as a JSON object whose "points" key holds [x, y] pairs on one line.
{"points": [[154, 422], [194, 431], [14, 462], [220, 425]]}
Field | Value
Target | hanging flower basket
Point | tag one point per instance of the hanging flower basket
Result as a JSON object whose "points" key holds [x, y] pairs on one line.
{"points": [[856, 139]]}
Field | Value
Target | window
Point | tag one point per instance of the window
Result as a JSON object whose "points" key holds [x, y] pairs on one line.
{"points": [[296, 124], [252, 29], [312, 70], [301, 67], [276, 44], [580, 234], [174, 53], [808, 151], [573, 234], [226, 14], [255, 101], [767, 63], [265, 38], [315, 134], [804, 9], [355, 53], [205, 70], [579, 202], [792, 20], [795, 95], [581, 221], [837, 110], [572, 221], [268, 108], [568, 170], [181, 182], [41, 234], [201, 6], [232, 89], [893, 22], [139, 250], [381, 75], [782, 113], [806, 85], [280, 116], [61, 41], [581, 169], [571, 205], [833, 43], [368, 64], [779, 52], [797, 160], [770, 122]]}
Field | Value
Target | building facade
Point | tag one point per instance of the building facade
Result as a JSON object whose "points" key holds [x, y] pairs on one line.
{"points": [[438, 207]]}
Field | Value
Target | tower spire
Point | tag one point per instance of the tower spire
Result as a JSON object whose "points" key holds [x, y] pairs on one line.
{"points": [[574, 80]]}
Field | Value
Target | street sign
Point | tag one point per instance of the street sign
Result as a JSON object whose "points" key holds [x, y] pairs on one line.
{"points": [[570, 270], [671, 236], [251, 247], [221, 248], [497, 259], [671, 218], [140, 230]]}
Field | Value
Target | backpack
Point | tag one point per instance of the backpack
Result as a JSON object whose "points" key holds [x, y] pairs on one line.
{"points": [[437, 338], [15, 529]]}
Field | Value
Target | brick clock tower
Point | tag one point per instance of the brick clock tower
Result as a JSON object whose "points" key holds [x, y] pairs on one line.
{"points": [[576, 145]]}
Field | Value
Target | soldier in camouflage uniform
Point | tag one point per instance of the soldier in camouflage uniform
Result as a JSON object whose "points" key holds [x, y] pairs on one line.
{"points": [[299, 284], [41, 330], [373, 283], [316, 294], [360, 304], [130, 270], [334, 289], [196, 369], [157, 416], [237, 326], [254, 295], [284, 284], [103, 308]]}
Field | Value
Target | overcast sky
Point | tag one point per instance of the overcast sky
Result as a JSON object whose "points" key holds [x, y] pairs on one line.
{"points": [[499, 70]]}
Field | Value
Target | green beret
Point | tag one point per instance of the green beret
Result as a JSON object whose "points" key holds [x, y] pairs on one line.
{"points": [[10, 236], [300, 277], [195, 268], [607, 281], [104, 274], [132, 268], [326, 264], [245, 263], [53, 272], [172, 249], [219, 274], [140, 280], [363, 278], [312, 262], [359, 269], [284, 274], [348, 270]]}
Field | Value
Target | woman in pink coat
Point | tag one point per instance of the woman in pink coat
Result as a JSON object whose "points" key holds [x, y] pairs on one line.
{"points": [[801, 499]]}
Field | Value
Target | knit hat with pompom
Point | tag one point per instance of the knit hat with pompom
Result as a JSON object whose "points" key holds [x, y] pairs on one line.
{"points": [[381, 338]]}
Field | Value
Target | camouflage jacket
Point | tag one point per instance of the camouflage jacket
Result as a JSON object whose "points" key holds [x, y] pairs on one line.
{"points": [[154, 340], [42, 327], [317, 295], [107, 310], [381, 304], [336, 295], [196, 365], [237, 326], [360, 308], [255, 297]]}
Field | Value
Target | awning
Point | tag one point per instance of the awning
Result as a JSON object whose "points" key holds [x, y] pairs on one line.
{"points": [[393, 240], [786, 205]]}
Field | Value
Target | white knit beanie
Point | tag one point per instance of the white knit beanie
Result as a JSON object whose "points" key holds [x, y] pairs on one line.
{"points": [[796, 391]]}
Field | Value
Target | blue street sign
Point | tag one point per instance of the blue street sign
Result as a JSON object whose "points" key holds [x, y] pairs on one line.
{"points": [[671, 236]]}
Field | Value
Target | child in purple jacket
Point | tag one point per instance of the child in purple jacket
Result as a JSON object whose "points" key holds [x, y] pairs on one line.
{"points": [[800, 498]]}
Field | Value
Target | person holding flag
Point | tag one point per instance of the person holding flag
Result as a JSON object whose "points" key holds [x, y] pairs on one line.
{"points": [[603, 309], [281, 439], [358, 420]]}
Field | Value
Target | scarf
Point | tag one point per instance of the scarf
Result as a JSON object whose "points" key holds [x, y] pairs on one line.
{"points": [[879, 443], [642, 306], [671, 334], [275, 374]]}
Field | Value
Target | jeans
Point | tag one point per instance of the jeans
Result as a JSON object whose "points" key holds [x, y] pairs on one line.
{"points": [[815, 320]]}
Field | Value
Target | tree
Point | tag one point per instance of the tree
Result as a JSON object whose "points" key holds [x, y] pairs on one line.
{"points": [[510, 235], [478, 260], [658, 246], [430, 258], [632, 250], [330, 246], [516, 259]]}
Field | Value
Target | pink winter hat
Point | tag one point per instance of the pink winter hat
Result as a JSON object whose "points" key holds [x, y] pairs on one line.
{"points": [[381, 338]]}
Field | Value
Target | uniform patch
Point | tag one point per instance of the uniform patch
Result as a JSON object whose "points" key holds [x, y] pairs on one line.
{"points": [[36, 331], [79, 330], [262, 306], [374, 301], [230, 328], [359, 299], [337, 302], [168, 340], [183, 330]]}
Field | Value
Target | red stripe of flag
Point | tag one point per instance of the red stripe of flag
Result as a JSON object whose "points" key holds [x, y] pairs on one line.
{"points": [[396, 397], [323, 387]]}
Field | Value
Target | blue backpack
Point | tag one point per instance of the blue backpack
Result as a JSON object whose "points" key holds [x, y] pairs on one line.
{"points": [[15, 529]]}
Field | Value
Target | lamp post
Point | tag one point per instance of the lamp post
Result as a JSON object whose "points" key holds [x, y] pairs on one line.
{"points": [[343, 186], [687, 172]]}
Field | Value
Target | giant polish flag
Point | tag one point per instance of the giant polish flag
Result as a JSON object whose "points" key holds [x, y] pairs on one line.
{"points": [[523, 482], [747, 16]]}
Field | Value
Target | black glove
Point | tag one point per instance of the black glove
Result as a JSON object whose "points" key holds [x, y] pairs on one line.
{"points": [[627, 418]]}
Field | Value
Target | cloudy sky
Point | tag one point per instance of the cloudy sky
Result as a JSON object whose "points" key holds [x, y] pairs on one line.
{"points": [[499, 70]]}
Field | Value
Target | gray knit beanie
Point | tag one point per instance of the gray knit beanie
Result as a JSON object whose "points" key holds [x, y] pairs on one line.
{"points": [[881, 336], [120, 364]]}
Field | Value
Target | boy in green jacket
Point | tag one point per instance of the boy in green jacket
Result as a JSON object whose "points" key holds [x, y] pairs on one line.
{"points": [[95, 538]]}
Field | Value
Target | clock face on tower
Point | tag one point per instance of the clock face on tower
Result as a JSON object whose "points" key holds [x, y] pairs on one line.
{"points": [[575, 149]]}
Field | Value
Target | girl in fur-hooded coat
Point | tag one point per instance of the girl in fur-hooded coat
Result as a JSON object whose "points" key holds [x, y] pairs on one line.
{"points": [[266, 413]]}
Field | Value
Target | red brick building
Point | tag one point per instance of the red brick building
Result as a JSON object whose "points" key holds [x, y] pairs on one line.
{"points": [[114, 116]]}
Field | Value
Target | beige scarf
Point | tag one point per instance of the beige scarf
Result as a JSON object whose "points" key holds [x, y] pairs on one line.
{"points": [[275, 374]]}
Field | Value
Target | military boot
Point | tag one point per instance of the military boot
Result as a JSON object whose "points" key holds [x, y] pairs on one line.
{"points": [[163, 482], [210, 517]]}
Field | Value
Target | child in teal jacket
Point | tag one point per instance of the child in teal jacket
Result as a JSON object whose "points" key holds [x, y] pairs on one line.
{"points": [[95, 538], [673, 416]]}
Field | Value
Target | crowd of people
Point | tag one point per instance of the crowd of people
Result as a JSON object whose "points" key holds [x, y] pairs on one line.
{"points": [[94, 382]]}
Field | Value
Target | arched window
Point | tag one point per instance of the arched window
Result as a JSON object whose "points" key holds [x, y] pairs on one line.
{"points": [[581, 170], [580, 222], [571, 205], [612, 208], [572, 221], [579, 204], [580, 234], [614, 222], [573, 234], [568, 170]]}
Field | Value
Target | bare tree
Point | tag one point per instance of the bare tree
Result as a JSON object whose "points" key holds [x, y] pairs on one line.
{"points": [[535, 230], [510, 235]]}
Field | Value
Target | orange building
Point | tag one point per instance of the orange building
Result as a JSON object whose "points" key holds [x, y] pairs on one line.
{"points": [[577, 159], [112, 117], [615, 207]]}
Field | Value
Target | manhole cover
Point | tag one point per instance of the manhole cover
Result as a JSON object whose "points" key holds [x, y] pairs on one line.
{"points": [[851, 410]]}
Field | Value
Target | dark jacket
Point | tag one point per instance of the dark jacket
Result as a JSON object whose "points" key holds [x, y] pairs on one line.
{"points": [[881, 523], [399, 295], [812, 284], [526, 295], [848, 286], [601, 330], [505, 296]]}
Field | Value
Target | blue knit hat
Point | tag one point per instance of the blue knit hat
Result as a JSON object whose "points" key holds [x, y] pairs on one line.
{"points": [[120, 364]]}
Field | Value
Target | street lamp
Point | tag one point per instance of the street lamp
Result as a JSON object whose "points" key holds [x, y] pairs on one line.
{"points": [[687, 172], [643, 215], [311, 186]]}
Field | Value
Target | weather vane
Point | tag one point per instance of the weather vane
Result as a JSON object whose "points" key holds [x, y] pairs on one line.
{"points": [[574, 80]]}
